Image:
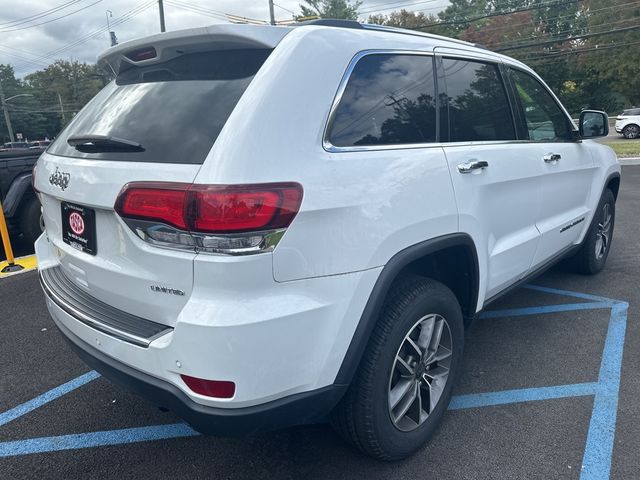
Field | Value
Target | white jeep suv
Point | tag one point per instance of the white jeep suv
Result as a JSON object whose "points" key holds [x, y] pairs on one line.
{"points": [[628, 123], [259, 227]]}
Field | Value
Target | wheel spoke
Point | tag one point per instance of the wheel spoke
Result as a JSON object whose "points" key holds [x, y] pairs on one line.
{"points": [[441, 354], [426, 332], [407, 401], [416, 348], [435, 341], [404, 369], [399, 391]]}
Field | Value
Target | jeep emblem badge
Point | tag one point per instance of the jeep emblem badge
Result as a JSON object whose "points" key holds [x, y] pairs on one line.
{"points": [[60, 179]]}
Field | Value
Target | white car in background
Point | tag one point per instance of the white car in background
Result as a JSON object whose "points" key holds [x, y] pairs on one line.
{"points": [[628, 123]]}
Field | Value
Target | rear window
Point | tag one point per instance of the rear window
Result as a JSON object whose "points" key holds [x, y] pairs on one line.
{"points": [[175, 109], [631, 111]]}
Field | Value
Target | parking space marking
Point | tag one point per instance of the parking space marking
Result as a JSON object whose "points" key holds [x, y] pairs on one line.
{"points": [[520, 395], [598, 452], [600, 436], [95, 439], [46, 397], [565, 307]]}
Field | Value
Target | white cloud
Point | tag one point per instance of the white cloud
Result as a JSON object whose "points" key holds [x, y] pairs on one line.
{"points": [[79, 36]]}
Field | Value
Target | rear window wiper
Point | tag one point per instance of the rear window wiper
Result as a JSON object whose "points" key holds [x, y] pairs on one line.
{"points": [[103, 143]]}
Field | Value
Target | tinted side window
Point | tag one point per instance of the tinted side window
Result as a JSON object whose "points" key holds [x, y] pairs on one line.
{"points": [[389, 100], [477, 104], [545, 121]]}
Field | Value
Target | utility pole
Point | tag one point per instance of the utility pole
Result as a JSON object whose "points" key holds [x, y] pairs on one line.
{"points": [[61, 110], [7, 118], [272, 15], [161, 8]]}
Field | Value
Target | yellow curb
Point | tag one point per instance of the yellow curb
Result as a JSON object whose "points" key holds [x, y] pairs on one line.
{"points": [[29, 263]]}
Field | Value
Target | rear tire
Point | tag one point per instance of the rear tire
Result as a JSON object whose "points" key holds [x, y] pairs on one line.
{"points": [[376, 415], [596, 245], [31, 224]]}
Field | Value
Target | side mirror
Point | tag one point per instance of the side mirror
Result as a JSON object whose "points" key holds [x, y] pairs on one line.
{"points": [[593, 123]]}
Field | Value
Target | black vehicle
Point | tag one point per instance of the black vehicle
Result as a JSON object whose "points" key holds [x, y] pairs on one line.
{"points": [[19, 201]]}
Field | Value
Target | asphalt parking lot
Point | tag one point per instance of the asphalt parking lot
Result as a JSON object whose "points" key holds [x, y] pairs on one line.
{"points": [[551, 389]]}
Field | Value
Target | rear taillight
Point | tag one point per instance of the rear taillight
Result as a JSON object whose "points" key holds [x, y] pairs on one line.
{"points": [[235, 219]]}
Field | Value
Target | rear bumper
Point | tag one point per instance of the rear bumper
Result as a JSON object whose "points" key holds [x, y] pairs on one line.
{"points": [[302, 408]]}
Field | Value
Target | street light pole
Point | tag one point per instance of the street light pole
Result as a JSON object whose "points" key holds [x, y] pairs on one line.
{"points": [[161, 8], [272, 16], [7, 118]]}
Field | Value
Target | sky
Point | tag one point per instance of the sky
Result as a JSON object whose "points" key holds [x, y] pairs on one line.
{"points": [[34, 33]]}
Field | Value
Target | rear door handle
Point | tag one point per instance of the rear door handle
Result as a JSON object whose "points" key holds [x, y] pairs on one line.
{"points": [[472, 165], [552, 157]]}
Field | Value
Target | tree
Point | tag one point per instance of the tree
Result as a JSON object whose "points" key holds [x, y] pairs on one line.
{"points": [[403, 19], [345, 9]]}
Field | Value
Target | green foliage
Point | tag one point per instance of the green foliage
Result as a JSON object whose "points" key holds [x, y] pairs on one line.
{"points": [[344, 9], [589, 72], [48, 99]]}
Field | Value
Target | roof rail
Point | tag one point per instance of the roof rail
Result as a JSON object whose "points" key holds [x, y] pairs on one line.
{"points": [[331, 22], [404, 31]]}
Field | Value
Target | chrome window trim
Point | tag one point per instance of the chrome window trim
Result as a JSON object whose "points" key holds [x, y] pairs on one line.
{"points": [[326, 144]]}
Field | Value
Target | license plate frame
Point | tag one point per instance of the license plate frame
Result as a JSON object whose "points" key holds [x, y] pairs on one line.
{"points": [[79, 227]]}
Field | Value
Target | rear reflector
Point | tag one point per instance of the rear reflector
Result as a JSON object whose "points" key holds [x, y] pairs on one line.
{"points": [[210, 388], [212, 208]]}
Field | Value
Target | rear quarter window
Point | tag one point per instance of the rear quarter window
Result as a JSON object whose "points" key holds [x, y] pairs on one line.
{"points": [[389, 99], [175, 109]]}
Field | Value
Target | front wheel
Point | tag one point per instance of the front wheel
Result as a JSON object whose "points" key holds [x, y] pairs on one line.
{"points": [[595, 248], [404, 383]]}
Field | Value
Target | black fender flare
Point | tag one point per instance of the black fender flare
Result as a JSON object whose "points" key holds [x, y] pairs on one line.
{"points": [[20, 187], [612, 176], [382, 286]]}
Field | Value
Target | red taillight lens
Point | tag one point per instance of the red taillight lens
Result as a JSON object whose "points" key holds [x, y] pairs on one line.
{"points": [[166, 203], [245, 208], [210, 388], [212, 208]]}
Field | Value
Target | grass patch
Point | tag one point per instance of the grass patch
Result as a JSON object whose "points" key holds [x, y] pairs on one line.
{"points": [[625, 148]]}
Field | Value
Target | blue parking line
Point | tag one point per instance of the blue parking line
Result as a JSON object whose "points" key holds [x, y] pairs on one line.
{"points": [[565, 307], [475, 400], [95, 439], [46, 397], [600, 437], [598, 452], [568, 293]]}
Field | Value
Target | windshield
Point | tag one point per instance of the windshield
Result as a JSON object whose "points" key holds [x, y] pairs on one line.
{"points": [[176, 109]]}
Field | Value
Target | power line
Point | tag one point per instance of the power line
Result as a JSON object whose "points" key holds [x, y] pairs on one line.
{"points": [[568, 39], [52, 20], [37, 16], [372, 9], [499, 13]]}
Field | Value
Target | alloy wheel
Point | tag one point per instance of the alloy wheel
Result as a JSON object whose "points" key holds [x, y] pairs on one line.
{"points": [[420, 372], [603, 232]]}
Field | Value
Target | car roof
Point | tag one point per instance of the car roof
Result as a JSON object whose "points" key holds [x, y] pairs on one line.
{"points": [[237, 36]]}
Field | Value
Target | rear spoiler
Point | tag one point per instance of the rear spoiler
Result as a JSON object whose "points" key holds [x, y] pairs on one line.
{"points": [[165, 46]]}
